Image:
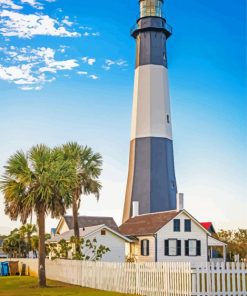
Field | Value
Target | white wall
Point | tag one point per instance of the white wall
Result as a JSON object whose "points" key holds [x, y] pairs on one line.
{"points": [[136, 250], [196, 233], [63, 228], [114, 243], [151, 103]]}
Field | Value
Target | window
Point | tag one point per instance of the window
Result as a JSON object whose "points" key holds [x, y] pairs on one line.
{"points": [[103, 232], [192, 247], [187, 225], [168, 118], [145, 247], [172, 247], [176, 225]]}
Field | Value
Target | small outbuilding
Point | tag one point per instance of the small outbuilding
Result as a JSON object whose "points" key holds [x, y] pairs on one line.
{"points": [[104, 235]]}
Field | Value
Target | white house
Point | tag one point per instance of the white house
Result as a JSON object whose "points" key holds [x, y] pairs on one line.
{"points": [[103, 234], [168, 236]]}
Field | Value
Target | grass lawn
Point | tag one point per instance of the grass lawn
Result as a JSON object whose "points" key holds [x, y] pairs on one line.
{"points": [[27, 286]]}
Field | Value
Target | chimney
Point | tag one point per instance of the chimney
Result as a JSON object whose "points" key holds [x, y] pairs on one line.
{"points": [[135, 208], [180, 202]]}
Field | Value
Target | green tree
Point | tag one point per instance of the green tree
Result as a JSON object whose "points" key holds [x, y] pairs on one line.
{"points": [[38, 181], [87, 167], [14, 245], [90, 250], [26, 231], [34, 241], [236, 242]]}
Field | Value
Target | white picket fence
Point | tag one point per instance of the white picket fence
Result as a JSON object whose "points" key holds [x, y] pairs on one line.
{"points": [[154, 279], [150, 279], [219, 279]]}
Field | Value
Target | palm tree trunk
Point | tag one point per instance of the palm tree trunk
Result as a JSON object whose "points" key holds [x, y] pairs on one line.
{"points": [[41, 268], [75, 217], [76, 224]]}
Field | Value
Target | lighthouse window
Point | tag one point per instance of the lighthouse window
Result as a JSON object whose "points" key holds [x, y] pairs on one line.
{"points": [[151, 8], [168, 118]]}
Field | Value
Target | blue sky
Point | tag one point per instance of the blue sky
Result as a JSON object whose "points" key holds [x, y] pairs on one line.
{"points": [[66, 73]]}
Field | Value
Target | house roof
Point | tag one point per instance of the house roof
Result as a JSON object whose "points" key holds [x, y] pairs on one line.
{"points": [[209, 226], [68, 234], [213, 242], [84, 232], [147, 224], [88, 221]]}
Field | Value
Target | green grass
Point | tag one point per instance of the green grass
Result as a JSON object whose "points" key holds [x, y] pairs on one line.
{"points": [[27, 286]]}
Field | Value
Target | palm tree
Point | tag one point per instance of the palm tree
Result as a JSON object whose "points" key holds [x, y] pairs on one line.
{"points": [[87, 167], [35, 244], [38, 181], [26, 232]]}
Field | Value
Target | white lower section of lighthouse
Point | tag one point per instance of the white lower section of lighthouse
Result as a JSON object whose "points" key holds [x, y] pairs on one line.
{"points": [[151, 116]]}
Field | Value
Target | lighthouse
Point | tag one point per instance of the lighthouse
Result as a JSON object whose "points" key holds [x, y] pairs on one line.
{"points": [[151, 184]]}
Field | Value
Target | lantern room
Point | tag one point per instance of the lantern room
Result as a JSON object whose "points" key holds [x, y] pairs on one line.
{"points": [[151, 8]]}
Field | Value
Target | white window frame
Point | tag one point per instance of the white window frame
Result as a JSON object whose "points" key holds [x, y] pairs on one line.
{"points": [[192, 250], [172, 251]]}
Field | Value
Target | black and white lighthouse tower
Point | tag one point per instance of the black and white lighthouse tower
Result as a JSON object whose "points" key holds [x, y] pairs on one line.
{"points": [[151, 180]]}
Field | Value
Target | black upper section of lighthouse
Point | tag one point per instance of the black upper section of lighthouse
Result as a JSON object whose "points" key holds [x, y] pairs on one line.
{"points": [[151, 32]]}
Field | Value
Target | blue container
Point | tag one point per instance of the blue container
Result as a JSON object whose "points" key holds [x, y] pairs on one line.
{"points": [[4, 269]]}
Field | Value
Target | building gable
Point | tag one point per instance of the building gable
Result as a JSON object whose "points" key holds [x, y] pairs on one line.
{"points": [[66, 223], [180, 239]]}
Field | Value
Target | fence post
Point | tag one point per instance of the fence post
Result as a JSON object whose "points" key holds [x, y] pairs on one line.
{"points": [[137, 278], [193, 282]]}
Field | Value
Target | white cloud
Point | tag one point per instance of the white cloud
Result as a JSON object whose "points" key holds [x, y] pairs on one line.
{"points": [[109, 63], [94, 34], [54, 66], [19, 74], [35, 3], [31, 68], [86, 28], [63, 48], [26, 88], [30, 87], [89, 61], [67, 22], [13, 23], [91, 76], [94, 77], [9, 4], [82, 73]]}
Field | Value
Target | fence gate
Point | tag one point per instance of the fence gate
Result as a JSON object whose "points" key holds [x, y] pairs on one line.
{"points": [[219, 279], [163, 279]]}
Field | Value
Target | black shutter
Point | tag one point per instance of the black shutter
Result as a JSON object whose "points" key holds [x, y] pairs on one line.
{"points": [[178, 247], [198, 248], [186, 248], [167, 247], [147, 251], [142, 247]]}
